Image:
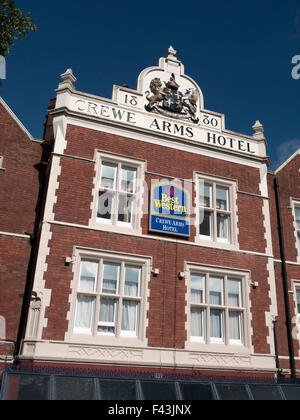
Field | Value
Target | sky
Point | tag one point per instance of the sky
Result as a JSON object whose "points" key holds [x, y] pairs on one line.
{"points": [[239, 53]]}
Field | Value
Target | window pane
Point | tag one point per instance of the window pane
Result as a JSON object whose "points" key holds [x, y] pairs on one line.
{"points": [[106, 205], [108, 176], [74, 389], [27, 388], [132, 281], [223, 227], [235, 326], [232, 392], [156, 391], [117, 390], [107, 317], [298, 240], [197, 322], [222, 198], [196, 391], [216, 325], [88, 276], [297, 214], [130, 316], [205, 194], [234, 293], [111, 274], [298, 301], [291, 392], [84, 314], [128, 180], [265, 392], [216, 290], [126, 206], [197, 288], [206, 223]]}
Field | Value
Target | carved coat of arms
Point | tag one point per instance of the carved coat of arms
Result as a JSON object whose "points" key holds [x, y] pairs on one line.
{"points": [[169, 101]]}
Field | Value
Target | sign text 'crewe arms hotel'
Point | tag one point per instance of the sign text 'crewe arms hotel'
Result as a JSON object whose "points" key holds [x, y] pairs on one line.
{"points": [[167, 102], [158, 124]]}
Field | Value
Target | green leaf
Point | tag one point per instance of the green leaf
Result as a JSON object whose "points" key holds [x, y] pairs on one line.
{"points": [[14, 25]]}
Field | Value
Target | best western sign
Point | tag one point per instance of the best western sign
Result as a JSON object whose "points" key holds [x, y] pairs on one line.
{"points": [[178, 129], [170, 209]]}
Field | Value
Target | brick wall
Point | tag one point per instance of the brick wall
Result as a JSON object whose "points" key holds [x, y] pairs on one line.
{"points": [[288, 181], [167, 299], [19, 186]]}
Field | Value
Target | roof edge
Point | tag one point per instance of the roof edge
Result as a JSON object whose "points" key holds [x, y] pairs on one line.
{"points": [[15, 118], [297, 152]]}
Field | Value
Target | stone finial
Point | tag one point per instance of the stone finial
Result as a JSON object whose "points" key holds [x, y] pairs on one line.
{"points": [[68, 80], [258, 129], [171, 53]]}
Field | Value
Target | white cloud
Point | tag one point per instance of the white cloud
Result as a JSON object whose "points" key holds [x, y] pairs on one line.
{"points": [[285, 150]]}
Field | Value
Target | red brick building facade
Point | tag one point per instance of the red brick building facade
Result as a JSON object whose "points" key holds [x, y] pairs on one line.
{"points": [[115, 281], [19, 185]]}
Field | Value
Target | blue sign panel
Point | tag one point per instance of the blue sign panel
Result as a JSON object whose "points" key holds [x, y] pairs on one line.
{"points": [[170, 210]]}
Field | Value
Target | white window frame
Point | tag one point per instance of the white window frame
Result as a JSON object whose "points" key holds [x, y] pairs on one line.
{"points": [[94, 336], [106, 323], [296, 205], [227, 274], [114, 224], [296, 287], [1, 163], [213, 240]]}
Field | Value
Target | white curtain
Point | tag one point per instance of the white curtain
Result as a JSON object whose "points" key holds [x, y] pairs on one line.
{"points": [[107, 316], [132, 281], [197, 288], [110, 278], [197, 322], [130, 316], [216, 290], [222, 198], [216, 324], [223, 227], [88, 275], [84, 314], [234, 293], [107, 311], [235, 325]]}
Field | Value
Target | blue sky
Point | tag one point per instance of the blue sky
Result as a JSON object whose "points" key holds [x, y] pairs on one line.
{"points": [[238, 52]]}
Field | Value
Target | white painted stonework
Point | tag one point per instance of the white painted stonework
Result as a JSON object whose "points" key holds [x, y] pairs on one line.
{"points": [[127, 109], [145, 356]]}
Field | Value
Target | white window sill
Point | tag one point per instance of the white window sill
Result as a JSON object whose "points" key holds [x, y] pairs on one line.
{"points": [[208, 242], [217, 347], [197, 340], [119, 228]]}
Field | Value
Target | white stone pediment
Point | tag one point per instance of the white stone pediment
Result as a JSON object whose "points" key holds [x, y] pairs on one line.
{"points": [[169, 70], [166, 102]]}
